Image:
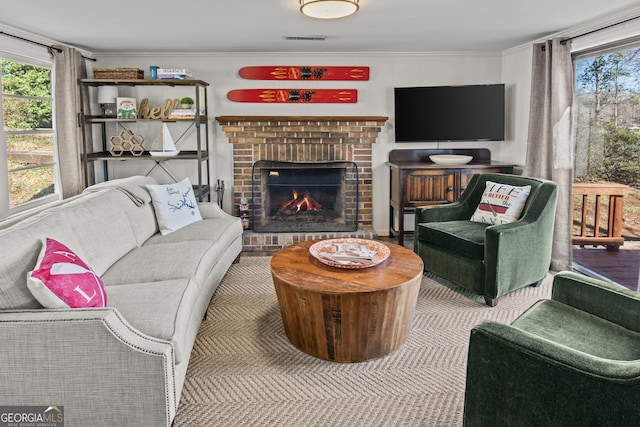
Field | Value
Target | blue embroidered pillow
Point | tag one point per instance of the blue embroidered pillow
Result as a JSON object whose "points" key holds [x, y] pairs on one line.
{"points": [[175, 205]]}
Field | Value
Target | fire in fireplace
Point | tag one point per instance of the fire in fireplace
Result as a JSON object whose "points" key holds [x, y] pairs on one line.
{"points": [[304, 203], [295, 197]]}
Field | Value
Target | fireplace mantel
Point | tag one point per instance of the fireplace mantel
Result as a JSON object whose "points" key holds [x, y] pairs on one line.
{"points": [[232, 119]]}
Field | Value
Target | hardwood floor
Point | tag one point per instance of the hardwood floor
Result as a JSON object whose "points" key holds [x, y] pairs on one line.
{"points": [[622, 267]]}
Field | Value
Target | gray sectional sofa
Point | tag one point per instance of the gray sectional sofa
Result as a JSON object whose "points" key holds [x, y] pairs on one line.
{"points": [[123, 365]]}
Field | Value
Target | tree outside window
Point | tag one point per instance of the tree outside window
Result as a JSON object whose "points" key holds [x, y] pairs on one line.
{"points": [[607, 128], [28, 132]]}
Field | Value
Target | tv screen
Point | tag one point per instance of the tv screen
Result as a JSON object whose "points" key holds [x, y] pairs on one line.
{"points": [[449, 113]]}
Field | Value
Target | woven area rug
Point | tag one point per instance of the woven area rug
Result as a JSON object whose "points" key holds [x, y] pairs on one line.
{"points": [[244, 372]]}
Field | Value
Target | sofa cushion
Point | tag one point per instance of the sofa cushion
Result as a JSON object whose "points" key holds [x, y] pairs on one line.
{"points": [[139, 211], [142, 220], [464, 237], [102, 228], [208, 229], [182, 260], [20, 246], [501, 203], [175, 205], [62, 280], [165, 312]]}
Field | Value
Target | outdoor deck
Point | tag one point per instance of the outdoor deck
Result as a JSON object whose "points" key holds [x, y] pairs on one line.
{"points": [[622, 267], [598, 210]]}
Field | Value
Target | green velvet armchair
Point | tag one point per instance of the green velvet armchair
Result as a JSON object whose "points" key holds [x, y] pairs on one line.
{"points": [[573, 360], [490, 260]]}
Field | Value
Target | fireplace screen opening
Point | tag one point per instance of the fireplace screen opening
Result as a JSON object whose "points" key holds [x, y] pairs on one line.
{"points": [[303, 197]]}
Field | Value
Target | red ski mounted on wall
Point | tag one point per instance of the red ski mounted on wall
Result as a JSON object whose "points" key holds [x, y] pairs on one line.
{"points": [[294, 96], [286, 72]]}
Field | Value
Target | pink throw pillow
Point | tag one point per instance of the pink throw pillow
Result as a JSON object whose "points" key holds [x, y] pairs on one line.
{"points": [[61, 279]]}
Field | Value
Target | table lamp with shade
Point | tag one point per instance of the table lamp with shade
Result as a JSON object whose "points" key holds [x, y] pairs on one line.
{"points": [[107, 99]]}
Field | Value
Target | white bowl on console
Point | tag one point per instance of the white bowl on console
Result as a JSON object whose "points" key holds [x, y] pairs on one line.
{"points": [[450, 159]]}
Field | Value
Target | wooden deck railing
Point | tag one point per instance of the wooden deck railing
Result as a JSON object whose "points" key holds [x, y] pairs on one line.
{"points": [[589, 217]]}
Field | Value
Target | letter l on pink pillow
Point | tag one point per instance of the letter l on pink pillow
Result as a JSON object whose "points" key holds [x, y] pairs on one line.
{"points": [[61, 279]]}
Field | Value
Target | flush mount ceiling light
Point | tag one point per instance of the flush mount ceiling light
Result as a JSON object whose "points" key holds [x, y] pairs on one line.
{"points": [[329, 9]]}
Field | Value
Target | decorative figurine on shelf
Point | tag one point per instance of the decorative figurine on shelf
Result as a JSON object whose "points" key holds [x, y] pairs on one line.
{"points": [[244, 205], [126, 141], [126, 108], [243, 208]]}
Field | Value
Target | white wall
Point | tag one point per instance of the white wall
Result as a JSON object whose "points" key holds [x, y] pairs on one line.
{"points": [[516, 75], [375, 97]]}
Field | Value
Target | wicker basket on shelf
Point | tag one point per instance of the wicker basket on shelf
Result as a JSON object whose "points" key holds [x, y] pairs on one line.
{"points": [[118, 73]]}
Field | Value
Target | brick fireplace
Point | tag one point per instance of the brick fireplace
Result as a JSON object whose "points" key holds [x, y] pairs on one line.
{"points": [[302, 139]]}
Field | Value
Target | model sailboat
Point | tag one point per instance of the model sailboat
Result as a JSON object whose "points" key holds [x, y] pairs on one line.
{"points": [[163, 145]]}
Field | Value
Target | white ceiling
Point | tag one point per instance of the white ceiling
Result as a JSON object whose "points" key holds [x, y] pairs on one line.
{"points": [[261, 25]]}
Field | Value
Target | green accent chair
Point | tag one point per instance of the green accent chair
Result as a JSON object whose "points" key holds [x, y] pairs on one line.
{"points": [[573, 360], [490, 260]]}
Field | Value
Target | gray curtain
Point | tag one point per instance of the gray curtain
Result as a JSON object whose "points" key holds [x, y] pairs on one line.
{"points": [[68, 67], [550, 142]]}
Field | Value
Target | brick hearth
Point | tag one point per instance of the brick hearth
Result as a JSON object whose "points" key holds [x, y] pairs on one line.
{"points": [[302, 139]]}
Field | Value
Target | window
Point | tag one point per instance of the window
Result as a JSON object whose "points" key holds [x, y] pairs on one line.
{"points": [[27, 139], [607, 124]]}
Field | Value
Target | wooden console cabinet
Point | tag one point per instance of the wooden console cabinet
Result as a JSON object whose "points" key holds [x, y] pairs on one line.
{"points": [[416, 181]]}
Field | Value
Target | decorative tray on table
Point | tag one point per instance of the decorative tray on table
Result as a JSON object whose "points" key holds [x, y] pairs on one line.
{"points": [[349, 253]]}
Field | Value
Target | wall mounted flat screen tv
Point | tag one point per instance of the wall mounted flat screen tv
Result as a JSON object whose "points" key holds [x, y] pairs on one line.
{"points": [[450, 113]]}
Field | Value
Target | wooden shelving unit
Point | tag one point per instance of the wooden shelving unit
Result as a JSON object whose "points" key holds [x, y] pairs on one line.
{"points": [[92, 159]]}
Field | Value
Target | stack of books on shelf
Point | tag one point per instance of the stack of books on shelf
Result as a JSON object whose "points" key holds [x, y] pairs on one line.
{"points": [[174, 74], [182, 114]]}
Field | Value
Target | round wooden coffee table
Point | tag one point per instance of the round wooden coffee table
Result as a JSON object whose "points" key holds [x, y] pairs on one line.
{"points": [[346, 315]]}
